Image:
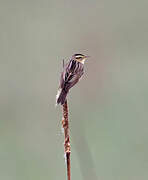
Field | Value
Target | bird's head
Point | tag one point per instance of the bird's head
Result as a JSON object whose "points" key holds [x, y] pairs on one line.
{"points": [[80, 58]]}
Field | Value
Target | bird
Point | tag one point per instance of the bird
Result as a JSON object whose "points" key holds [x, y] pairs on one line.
{"points": [[71, 74]]}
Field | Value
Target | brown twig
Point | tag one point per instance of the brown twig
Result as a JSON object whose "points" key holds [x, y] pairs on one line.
{"points": [[65, 124]]}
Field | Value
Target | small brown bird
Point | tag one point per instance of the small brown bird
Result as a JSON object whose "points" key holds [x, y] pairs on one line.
{"points": [[72, 72]]}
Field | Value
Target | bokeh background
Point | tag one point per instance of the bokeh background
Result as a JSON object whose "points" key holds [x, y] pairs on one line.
{"points": [[109, 107]]}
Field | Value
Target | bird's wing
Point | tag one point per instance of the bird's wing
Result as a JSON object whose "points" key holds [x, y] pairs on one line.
{"points": [[73, 79], [62, 81], [69, 77]]}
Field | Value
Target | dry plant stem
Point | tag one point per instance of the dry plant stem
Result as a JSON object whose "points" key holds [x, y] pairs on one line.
{"points": [[65, 124]]}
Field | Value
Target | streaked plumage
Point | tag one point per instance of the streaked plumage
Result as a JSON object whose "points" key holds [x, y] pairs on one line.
{"points": [[72, 72]]}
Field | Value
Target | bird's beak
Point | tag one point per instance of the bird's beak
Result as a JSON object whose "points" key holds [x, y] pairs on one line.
{"points": [[87, 56]]}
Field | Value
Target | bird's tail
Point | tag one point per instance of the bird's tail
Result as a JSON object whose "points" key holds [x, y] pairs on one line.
{"points": [[61, 96]]}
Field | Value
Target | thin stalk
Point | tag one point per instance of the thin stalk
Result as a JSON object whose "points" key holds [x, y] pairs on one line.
{"points": [[65, 124]]}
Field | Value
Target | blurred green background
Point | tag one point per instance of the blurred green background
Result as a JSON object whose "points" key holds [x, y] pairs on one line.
{"points": [[108, 109]]}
